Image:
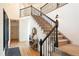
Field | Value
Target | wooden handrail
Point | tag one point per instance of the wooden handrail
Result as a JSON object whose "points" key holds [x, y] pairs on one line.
{"points": [[43, 5], [47, 17], [25, 7], [44, 15], [55, 27], [49, 34], [56, 41], [37, 10]]}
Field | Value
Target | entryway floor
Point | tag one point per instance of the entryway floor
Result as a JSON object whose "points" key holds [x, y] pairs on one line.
{"points": [[25, 49]]}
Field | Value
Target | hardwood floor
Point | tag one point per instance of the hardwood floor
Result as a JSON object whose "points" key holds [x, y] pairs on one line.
{"points": [[70, 49], [14, 41], [25, 49]]}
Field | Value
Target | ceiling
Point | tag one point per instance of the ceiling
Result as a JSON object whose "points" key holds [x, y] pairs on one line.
{"points": [[12, 9], [36, 5]]}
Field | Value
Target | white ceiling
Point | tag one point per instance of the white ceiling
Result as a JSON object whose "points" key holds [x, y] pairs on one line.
{"points": [[36, 5], [12, 9]]}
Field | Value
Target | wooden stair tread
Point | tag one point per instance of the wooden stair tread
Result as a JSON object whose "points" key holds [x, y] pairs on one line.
{"points": [[53, 33], [70, 49], [62, 40], [59, 35], [48, 27], [41, 19], [56, 53]]}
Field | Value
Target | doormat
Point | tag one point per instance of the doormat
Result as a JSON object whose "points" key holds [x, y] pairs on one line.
{"points": [[12, 52]]}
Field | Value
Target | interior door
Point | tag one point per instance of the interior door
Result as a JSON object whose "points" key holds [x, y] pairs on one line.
{"points": [[14, 30]]}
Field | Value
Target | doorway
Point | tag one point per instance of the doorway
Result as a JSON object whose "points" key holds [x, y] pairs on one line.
{"points": [[5, 30], [14, 31]]}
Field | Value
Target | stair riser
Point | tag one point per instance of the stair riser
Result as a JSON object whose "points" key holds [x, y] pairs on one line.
{"points": [[47, 28], [53, 33], [42, 23], [63, 43]]}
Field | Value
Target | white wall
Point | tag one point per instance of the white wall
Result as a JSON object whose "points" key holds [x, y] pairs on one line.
{"points": [[12, 9], [26, 25], [68, 21], [24, 28], [1, 32]]}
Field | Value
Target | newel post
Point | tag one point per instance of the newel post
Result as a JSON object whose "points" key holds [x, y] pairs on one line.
{"points": [[56, 42], [31, 9], [41, 11], [40, 47]]}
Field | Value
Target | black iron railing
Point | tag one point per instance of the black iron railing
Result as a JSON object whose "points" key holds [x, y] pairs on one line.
{"points": [[47, 44]]}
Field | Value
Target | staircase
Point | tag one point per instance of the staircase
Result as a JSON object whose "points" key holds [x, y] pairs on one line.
{"points": [[55, 43], [65, 47], [47, 27]]}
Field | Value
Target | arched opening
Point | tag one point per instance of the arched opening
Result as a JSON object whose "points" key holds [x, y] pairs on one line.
{"points": [[34, 40]]}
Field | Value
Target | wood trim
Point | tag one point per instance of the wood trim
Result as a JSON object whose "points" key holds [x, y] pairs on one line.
{"points": [[44, 15], [25, 7], [43, 5], [22, 9]]}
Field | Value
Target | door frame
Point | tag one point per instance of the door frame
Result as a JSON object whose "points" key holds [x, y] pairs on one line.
{"points": [[5, 30], [12, 20]]}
